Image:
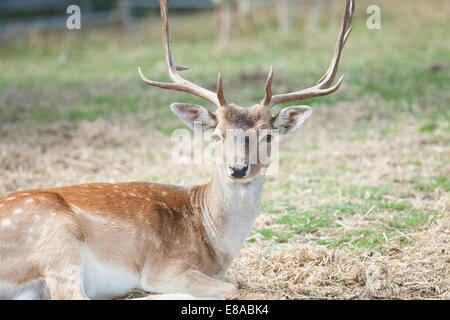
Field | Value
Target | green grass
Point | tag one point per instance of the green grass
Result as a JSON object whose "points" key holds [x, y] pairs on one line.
{"points": [[274, 206], [89, 109], [371, 239], [414, 219], [112, 56], [367, 192], [273, 235], [399, 217], [442, 182], [346, 209], [429, 127], [392, 206], [305, 222]]}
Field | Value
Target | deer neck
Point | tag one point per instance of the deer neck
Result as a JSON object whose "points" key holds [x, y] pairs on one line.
{"points": [[228, 211]]}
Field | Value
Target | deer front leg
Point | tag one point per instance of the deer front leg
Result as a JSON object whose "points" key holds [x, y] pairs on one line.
{"points": [[167, 296], [187, 280], [232, 281]]}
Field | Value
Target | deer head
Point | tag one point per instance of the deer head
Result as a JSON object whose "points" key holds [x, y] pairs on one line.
{"points": [[249, 127]]}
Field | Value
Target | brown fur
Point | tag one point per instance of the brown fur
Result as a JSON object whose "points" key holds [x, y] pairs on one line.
{"points": [[112, 219], [255, 117]]}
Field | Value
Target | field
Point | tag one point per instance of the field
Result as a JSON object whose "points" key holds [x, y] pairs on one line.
{"points": [[360, 206]]}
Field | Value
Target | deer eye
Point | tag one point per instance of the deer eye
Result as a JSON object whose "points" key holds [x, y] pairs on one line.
{"points": [[215, 137], [269, 138]]}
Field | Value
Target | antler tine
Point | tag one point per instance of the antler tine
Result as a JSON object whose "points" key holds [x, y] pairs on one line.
{"points": [[219, 91], [329, 76], [268, 96], [178, 82], [323, 86]]}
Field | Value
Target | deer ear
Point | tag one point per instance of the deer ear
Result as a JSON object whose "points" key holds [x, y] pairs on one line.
{"points": [[195, 116], [289, 119]]}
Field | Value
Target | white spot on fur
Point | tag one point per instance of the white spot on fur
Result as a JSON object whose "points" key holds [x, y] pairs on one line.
{"points": [[1, 205], [164, 193], [155, 240], [44, 231], [31, 200], [18, 211], [6, 222], [132, 194], [11, 198]]}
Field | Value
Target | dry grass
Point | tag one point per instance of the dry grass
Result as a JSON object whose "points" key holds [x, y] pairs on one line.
{"points": [[308, 271]]}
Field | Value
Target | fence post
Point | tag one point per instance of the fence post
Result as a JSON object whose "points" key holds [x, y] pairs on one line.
{"points": [[123, 13], [316, 15]]}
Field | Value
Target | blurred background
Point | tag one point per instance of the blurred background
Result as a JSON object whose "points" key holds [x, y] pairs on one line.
{"points": [[365, 180]]}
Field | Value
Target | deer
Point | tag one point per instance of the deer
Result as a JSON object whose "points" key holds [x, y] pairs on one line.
{"points": [[101, 240], [227, 13]]}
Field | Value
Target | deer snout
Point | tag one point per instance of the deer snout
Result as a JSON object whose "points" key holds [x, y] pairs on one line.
{"points": [[238, 171]]}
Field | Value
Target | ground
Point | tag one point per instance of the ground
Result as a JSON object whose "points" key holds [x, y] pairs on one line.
{"points": [[360, 206]]}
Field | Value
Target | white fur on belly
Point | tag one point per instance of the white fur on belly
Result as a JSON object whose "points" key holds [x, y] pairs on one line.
{"points": [[102, 280]]}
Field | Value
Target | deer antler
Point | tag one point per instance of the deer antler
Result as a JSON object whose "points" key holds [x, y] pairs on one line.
{"points": [[178, 82], [323, 86]]}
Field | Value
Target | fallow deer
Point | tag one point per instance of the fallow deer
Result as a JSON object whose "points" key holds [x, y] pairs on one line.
{"points": [[99, 241], [234, 13], [229, 13]]}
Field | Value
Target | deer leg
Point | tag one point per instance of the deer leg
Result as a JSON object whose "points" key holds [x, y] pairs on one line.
{"points": [[32, 290], [207, 286], [232, 281], [245, 14], [62, 288], [252, 30], [64, 265], [65, 280], [225, 22], [187, 280], [167, 296]]}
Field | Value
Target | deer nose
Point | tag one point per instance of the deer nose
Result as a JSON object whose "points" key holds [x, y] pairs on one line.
{"points": [[238, 172]]}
